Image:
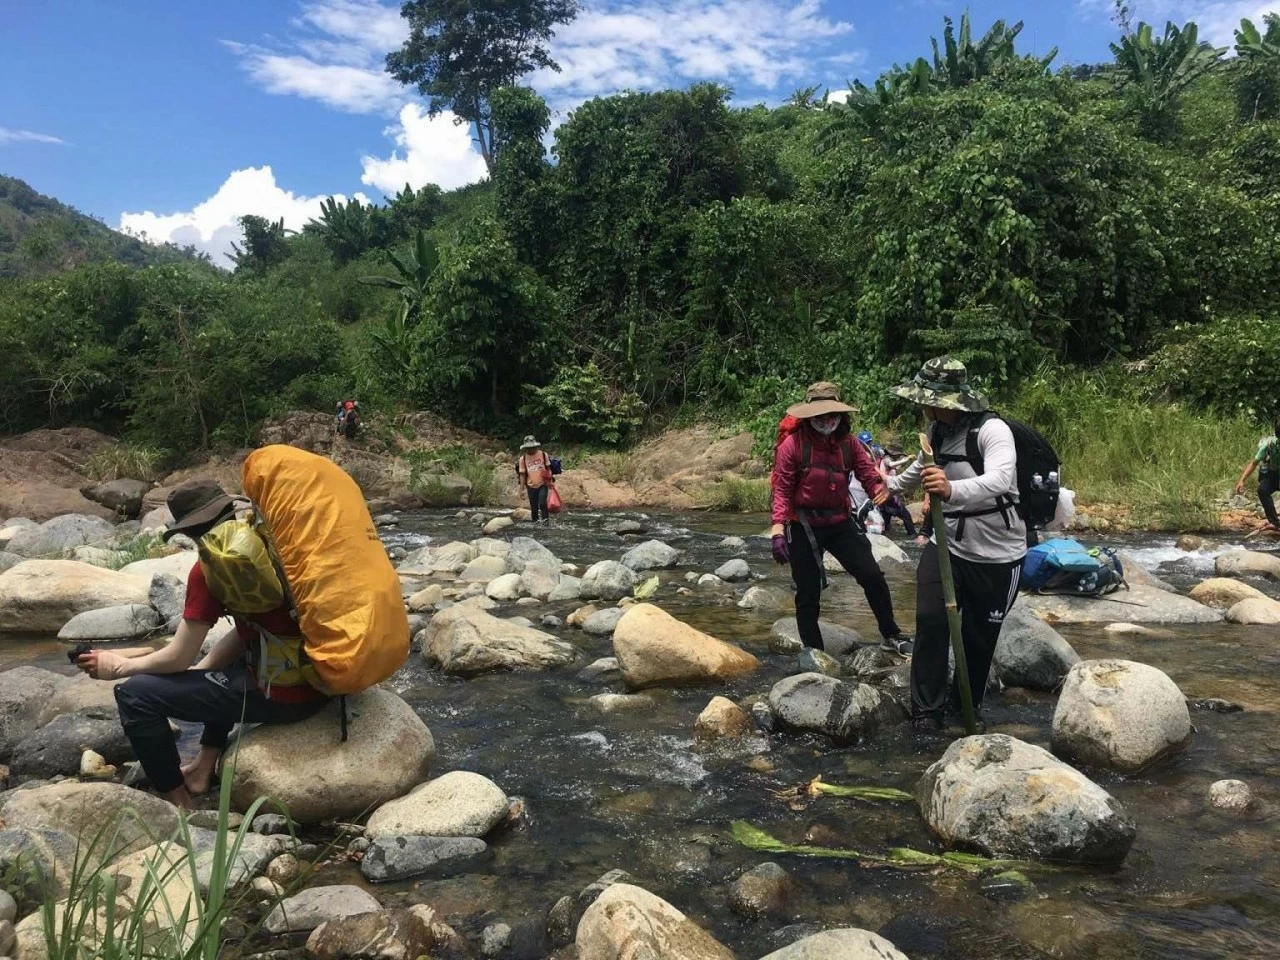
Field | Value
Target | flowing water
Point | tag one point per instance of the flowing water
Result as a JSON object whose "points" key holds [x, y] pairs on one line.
{"points": [[635, 791]]}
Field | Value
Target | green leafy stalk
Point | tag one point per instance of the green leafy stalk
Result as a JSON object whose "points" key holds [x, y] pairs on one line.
{"points": [[862, 793]]}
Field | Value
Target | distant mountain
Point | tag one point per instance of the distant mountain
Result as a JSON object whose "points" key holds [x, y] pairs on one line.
{"points": [[40, 236]]}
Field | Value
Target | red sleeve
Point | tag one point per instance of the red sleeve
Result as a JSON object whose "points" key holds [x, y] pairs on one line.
{"points": [[864, 468], [785, 477], [201, 604]]}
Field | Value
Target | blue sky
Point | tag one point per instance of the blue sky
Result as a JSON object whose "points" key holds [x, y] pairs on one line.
{"points": [[172, 118]]}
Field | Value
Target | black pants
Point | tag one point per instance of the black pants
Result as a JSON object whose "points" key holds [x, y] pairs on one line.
{"points": [[896, 508], [538, 502], [853, 551], [1268, 485], [984, 594], [218, 698]]}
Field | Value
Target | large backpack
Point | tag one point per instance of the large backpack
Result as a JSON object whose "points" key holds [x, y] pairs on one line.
{"points": [[342, 587], [1066, 566], [1039, 468]]}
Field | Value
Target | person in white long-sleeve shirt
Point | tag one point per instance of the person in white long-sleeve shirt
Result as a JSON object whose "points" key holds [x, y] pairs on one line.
{"points": [[976, 477]]}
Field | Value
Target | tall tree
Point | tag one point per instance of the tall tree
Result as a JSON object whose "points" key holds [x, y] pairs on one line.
{"points": [[459, 52], [264, 244], [1258, 69]]}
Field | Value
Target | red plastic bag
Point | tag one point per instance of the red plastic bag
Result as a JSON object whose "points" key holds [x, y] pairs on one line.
{"points": [[553, 500]]}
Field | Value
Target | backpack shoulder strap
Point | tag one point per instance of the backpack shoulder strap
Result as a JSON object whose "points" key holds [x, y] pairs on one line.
{"points": [[971, 451], [806, 452], [846, 463]]}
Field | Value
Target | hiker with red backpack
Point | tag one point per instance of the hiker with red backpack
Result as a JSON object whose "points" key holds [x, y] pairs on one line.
{"points": [[812, 511]]}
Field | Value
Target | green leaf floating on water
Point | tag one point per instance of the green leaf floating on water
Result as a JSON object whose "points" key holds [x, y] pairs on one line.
{"points": [[647, 589], [754, 838], [862, 793]]}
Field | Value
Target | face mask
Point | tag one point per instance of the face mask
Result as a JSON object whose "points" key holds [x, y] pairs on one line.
{"points": [[825, 425]]}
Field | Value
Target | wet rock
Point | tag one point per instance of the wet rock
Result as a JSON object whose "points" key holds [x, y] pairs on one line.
{"points": [[1189, 543], [843, 711], [402, 857], [607, 580], [1139, 604], [784, 637], [1233, 796], [309, 909], [1010, 799], [707, 580], [317, 776], [129, 621], [167, 596], [1120, 715], [466, 641], [651, 555], [551, 622], [40, 596], [627, 921], [1008, 886], [494, 939], [733, 543], [567, 588], [56, 748], [621, 527], [762, 891], [270, 824], [385, 935], [483, 570], [24, 692], [654, 649], [1135, 630], [526, 551], [1235, 563], [815, 661], [562, 921], [504, 589], [1223, 592], [845, 943], [734, 571], [578, 617], [873, 664], [80, 810], [497, 525], [284, 869], [59, 536], [721, 719], [1136, 575], [1215, 705], [255, 853], [458, 804], [608, 703], [763, 716], [604, 670], [764, 599], [603, 622], [1255, 611], [539, 580], [1030, 653]]}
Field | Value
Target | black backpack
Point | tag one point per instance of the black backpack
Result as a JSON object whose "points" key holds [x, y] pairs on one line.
{"points": [[1038, 468]]}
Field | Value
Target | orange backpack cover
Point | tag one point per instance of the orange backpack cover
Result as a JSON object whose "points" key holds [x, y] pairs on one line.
{"points": [[350, 610]]}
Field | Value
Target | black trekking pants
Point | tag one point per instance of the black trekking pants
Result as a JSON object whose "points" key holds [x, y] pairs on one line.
{"points": [[1268, 485], [896, 508], [853, 551], [538, 502], [984, 594], [217, 698]]}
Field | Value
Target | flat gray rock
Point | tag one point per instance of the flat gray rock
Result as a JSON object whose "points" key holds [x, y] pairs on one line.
{"points": [[58, 537], [305, 911], [784, 637], [398, 858], [128, 621], [651, 555], [603, 622], [734, 571], [1139, 604]]}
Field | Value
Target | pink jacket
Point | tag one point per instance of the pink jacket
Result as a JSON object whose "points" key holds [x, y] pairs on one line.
{"points": [[822, 489]]}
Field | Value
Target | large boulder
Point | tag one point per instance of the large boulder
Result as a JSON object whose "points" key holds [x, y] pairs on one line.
{"points": [[765, 599], [526, 550], [1224, 592], [168, 597], [458, 804], [316, 775], [845, 943], [10, 528], [607, 580], [45, 501], [651, 555], [1030, 653], [483, 570], [9, 560], [1009, 799], [399, 858], [843, 710], [127, 621], [1136, 575], [305, 911], [55, 749], [83, 810], [1119, 715], [1255, 611], [1234, 563], [1138, 604], [503, 589], [466, 640], [603, 622], [59, 536], [734, 571], [24, 692], [40, 596], [80, 694], [722, 719], [119, 496], [438, 490], [628, 923], [784, 637], [539, 580], [655, 649], [176, 564]]}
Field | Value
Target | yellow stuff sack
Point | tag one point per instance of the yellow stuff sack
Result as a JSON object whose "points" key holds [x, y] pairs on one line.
{"points": [[350, 610], [238, 568]]}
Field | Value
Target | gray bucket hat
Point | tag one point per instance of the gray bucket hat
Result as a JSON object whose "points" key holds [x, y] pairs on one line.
{"points": [[530, 443], [821, 398], [942, 382]]}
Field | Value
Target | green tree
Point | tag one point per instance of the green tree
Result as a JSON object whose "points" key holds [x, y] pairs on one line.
{"points": [[460, 52], [1157, 71], [264, 245], [397, 343], [521, 120], [962, 62], [1258, 69], [349, 229]]}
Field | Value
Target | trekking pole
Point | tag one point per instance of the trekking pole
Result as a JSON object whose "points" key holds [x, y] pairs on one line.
{"points": [[949, 594]]}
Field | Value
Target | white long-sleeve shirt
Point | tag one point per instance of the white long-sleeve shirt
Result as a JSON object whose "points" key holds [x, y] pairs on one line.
{"points": [[987, 539]]}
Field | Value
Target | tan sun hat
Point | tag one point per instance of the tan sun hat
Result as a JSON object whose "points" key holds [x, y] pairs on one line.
{"points": [[821, 398]]}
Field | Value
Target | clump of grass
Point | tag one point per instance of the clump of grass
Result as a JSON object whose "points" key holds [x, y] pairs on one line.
{"points": [[145, 546], [124, 461], [619, 467], [459, 460], [736, 495]]}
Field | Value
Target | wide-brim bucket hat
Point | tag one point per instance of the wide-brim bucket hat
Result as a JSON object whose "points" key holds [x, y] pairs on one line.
{"points": [[942, 382], [530, 443], [820, 399], [198, 505]]}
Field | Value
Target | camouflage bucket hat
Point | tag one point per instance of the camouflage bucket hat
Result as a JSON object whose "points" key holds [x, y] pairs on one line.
{"points": [[942, 382]]}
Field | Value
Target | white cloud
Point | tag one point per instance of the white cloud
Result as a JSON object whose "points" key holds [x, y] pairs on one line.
{"points": [[1217, 19], [212, 225], [26, 136], [436, 150], [354, 89]]}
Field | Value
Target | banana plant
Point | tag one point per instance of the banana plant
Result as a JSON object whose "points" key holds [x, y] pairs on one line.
{"points": [[961, 62], [1255, 44], [394, 342], [1158, 70]]}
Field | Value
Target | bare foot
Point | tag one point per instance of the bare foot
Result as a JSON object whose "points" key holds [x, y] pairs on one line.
{"points": [[198, 772], [181, 798]]}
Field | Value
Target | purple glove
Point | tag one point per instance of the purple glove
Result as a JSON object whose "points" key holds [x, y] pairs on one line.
{"points": [[781, 552]]}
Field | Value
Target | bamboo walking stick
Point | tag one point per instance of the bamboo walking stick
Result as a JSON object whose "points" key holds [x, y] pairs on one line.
{"points": [[949, 594]]}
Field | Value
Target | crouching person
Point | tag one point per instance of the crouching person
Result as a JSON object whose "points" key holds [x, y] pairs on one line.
{"points": [[230, 683]]}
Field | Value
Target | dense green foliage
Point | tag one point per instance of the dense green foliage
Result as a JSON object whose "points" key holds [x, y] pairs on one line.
{"points": [[673, 251]]}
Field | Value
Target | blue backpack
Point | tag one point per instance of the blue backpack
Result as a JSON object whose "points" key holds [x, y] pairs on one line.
{"points": [[1068, 567]]}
